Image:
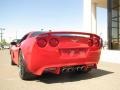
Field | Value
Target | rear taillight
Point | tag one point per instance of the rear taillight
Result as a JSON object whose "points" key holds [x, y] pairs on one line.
{"points": [[53, 42], [90, 42], [96, 42], [41, 42]]}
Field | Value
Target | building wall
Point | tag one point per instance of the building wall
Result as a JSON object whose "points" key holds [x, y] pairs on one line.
{"points": [[90, 23], [87, 16]]}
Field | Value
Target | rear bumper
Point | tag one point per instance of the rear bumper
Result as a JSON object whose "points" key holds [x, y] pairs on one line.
{"points": [[41, 60]]}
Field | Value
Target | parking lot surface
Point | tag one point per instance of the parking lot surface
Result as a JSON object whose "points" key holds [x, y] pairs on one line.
{"points": [[107, 77]]}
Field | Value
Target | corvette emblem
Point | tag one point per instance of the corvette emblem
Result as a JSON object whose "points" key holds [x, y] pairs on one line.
{"points": [[75, 40]]}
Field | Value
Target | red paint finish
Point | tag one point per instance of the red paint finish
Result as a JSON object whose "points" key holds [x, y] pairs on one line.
{"points": [[54, 50]]}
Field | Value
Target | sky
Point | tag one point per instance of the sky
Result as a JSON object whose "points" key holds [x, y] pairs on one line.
{"points": [[21, 16]]}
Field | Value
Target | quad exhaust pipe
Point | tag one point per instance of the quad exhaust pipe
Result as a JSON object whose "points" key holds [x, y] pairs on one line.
{"points": [[72, 69], [67, 70]]}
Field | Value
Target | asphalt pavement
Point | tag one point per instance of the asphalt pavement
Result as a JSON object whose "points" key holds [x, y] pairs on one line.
{"points": [[106, 77]]}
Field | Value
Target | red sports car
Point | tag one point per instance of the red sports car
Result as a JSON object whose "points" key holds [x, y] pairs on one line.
{"points": [[56, 52]]}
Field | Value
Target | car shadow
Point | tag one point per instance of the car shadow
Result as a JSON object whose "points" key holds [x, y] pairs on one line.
{"points": [[71, 77]]}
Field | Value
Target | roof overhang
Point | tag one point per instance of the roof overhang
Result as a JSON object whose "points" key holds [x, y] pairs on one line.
{"points": [[100, 3]]}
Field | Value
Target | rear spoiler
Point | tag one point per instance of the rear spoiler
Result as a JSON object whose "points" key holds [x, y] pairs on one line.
{"points": [[81, 33]]}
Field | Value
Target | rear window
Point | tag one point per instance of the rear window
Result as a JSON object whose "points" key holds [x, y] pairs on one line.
{"points": [[35, 34], [71, 35]]}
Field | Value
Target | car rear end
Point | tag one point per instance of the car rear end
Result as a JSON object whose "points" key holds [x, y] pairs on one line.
{"points": [[65, 51]]}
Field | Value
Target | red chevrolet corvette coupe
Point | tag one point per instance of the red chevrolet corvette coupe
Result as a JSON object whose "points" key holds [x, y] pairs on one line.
{"points": [[56, 52]]}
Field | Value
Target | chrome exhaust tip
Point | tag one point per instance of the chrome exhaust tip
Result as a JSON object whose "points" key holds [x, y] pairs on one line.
{"points": [[64, 70], [83, 68], [78, 68], [70, 69]]}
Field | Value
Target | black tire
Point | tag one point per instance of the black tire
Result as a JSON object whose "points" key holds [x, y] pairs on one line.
{"points": [[23, 72], [12, 63]]}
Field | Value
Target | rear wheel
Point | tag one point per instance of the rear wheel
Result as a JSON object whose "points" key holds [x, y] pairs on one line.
{"points": [[24, 74], [12, 63]]}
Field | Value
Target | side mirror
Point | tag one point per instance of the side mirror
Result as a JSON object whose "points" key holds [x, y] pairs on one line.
{"points": [[13, 43]]}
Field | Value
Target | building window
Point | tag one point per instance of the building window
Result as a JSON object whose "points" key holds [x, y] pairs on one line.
{"points": [[114, 24]]}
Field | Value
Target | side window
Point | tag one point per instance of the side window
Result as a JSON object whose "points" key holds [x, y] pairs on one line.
{"points": [[16, 40], [24, 37]]}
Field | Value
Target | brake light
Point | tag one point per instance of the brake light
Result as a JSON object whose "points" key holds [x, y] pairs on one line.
{"points": [[41, 42], [90, 42], [96, 42], [53, 42]]}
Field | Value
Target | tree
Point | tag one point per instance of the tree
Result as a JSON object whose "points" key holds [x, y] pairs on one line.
{"points": [[3, 43]]}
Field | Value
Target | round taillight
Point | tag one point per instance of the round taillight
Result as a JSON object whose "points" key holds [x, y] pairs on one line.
{"points": [[90, 42], [41, 42], [96, 42], [53, 42]]}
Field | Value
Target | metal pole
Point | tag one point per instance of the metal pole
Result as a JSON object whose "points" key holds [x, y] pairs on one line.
{"points": [[1, 34], [16, 34], [109, 31]]}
